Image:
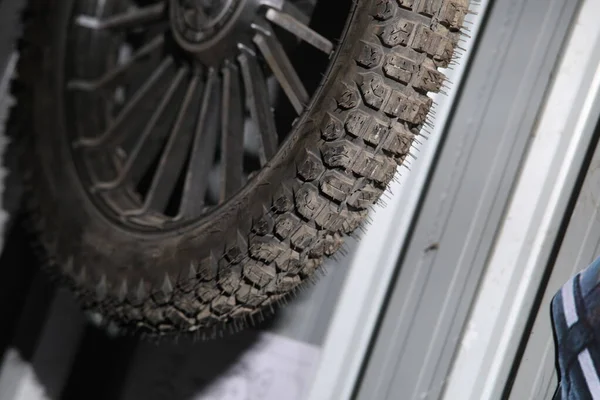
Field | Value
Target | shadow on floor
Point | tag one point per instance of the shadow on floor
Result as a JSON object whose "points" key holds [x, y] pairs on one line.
{"points": [[72, 360]]}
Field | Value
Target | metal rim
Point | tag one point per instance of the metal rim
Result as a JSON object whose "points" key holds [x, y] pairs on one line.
{"points": [[175, 101]]}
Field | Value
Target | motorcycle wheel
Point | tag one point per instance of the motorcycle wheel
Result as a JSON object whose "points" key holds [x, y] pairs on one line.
{"points": [[191, 163]]}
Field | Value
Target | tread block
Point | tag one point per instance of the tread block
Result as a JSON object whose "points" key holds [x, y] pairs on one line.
{"points": [[153, 314], [287, 283], [240, 312], [434, 44], [453, 12], [408, 4], [326, 245], [311, 167], [357, 123], [365, 197], [336, 185], [426, 40], [250, 295], [332, 127], [283, 200], [444, 53], [303, 237], [310, 266], [347, 97], [399, 141], [131, 314], [289, 261], [396, 103], [206, 317], [399, 68], [330, 219], [429, 79], [286, 224], [178, 318], [384, 10], [369, 55], [352, 220], [223, 305], [259, 273], [417, 110], [265, 249], [335, 220], [429, 7], [264, 224], [333, 243], [409, 109], [397, 33], [188, 305], [340, 153], [274, 300], [309, 202], [230, 280], [206, 292], [376, 167], [378, 131]]}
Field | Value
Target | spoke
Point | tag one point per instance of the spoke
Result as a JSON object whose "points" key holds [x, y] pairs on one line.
{"points": [[203, 151], [232, 133], [299, 29], [275, 55], [128, 19], [293, 10], [289, 8], [139, 144], [172, 159], [111, 76], [257, 98], [139, 95]]}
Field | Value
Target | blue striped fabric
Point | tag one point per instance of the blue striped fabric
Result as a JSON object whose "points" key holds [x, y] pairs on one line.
{"points": [[576, 323]]}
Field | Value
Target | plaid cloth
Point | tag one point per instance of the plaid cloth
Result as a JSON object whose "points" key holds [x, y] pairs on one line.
{"points": [[576, 324]]}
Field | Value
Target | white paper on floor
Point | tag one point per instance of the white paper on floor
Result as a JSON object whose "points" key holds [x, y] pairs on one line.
{"points": [[275, 368]]}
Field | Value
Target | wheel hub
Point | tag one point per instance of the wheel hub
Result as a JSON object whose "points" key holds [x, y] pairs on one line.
{"points": [[211, 30], [198, 21]]}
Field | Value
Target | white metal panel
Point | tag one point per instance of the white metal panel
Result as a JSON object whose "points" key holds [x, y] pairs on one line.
{"points": [[529, 230], [467, 195], [536, 376]]}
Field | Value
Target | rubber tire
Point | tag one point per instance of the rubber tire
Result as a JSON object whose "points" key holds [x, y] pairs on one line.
{"points": [[272, 236]]}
